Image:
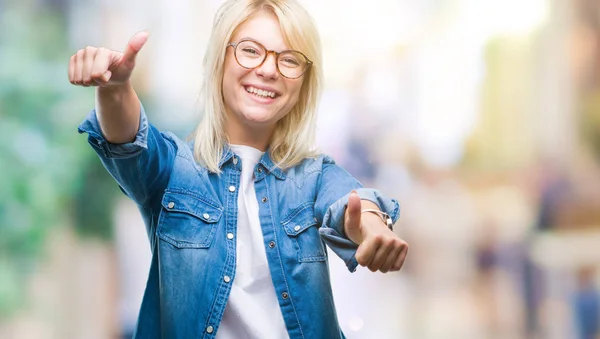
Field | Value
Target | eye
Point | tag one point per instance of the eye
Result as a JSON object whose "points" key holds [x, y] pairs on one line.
{"points": [[290, 61], [250, 50]]}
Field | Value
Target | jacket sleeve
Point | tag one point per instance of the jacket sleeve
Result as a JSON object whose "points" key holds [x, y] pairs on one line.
{"points": [[141, 167], [333, 191]]}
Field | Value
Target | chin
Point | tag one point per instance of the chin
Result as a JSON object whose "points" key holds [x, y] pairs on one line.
{"points": [[259, 117]]}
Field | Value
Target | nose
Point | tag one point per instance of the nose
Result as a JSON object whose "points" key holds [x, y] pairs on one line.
{"points": [[268, 69]]}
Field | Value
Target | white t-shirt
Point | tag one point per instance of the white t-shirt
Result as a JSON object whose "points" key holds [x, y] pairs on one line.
{"points": [[252, 309]]}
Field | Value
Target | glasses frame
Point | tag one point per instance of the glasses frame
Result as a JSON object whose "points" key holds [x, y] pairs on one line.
{"points": [[267, 52]]}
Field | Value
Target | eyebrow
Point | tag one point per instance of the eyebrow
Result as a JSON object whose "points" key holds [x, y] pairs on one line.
{"points": [[256, 40]]}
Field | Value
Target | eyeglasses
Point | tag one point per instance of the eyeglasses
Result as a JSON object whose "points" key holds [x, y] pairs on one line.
{"points": [[251, 54]]}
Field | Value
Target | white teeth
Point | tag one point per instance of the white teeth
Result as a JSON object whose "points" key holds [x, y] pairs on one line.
{"points": [[260, 92]]}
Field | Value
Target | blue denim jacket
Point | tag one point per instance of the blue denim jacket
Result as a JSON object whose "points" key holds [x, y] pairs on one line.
{"points": [[190, 215]]}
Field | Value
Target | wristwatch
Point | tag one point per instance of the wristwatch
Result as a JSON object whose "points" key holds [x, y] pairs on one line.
{"points": [[384, 216]]}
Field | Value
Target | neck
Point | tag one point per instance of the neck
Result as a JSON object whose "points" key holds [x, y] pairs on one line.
{"points": [[254, 136]]}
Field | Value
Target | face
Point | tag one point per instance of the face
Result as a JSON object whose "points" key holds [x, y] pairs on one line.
{"points": [[247, 111]]}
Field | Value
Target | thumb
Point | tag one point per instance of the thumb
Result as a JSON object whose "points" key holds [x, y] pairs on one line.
{"points": [[134, 45], [353, 213]]}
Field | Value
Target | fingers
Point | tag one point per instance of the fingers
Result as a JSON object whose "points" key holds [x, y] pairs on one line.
{"points": [[88, 61], [367, 250], [390, 258], [81, 65], [93, 66], [401, 258], [77, 61], [397, 255], [133, 47], [352, 218], [380, 254], [99, 71], [383, 253], [89, 67], [353, 211], [72, 68]]}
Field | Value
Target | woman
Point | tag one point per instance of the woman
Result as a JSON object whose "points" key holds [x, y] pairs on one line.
{"points": [[237, 218]]}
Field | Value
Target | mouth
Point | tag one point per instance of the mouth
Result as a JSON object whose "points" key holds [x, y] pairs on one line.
{"points": [[261, 92]]}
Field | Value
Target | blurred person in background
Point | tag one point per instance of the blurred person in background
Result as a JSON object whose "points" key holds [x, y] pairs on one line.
{"points": [[586, 305], [238, 216]]}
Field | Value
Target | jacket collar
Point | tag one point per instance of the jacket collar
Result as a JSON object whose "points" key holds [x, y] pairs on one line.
{"points": [[265, 161]]}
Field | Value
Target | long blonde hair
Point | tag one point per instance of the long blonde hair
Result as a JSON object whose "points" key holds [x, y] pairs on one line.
{"points": [[294, 137]]}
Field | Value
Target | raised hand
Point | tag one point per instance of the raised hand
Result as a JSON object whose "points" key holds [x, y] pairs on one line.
{"points": [[98, 66], [380, 249]]}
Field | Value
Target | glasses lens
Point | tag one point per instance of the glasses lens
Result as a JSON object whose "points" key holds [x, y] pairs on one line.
{"points": [[249, 54], [292, 64]]}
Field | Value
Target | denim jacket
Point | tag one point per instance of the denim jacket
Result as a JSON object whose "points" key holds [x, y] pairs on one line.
{"points": [[190, 215]]}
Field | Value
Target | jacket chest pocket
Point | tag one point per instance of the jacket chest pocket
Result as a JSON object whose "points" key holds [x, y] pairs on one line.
{"points": [[188, 221], [303, 229]]}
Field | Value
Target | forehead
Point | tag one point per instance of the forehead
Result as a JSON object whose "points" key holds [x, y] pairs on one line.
{"points": [[262, 26]]}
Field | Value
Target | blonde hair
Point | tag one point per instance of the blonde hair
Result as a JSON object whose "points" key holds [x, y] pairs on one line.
{"points": [[294, 137]]}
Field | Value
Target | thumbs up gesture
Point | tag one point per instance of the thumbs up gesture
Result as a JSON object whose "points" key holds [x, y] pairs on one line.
{"points": [[103, 67], [380, 249]]}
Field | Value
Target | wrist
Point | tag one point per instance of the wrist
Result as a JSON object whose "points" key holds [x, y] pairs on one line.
{"points": [[384, 217], [114, 91]]}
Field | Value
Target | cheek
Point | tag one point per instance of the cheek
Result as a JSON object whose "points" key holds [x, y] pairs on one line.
{"points": [[295, 90], [230, 83], [228, 78]]}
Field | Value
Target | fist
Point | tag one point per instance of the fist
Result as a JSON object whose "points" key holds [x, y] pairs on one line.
{"points": [[98, 66], [380, 249]]}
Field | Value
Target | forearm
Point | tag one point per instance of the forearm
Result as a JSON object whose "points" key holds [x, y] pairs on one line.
{"points": [[118, 112]]}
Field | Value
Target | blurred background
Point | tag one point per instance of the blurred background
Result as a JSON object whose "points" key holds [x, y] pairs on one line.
{"points": [[482, 117]]}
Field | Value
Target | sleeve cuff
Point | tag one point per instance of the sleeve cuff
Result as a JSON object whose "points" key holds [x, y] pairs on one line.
{"points": [[91, 126]]}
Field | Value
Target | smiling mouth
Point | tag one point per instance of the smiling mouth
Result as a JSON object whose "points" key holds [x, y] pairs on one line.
{"points": [[261, 93]]}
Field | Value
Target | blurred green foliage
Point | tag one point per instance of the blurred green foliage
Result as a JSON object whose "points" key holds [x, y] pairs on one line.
{"points": [[49, 177], [590, 121]]}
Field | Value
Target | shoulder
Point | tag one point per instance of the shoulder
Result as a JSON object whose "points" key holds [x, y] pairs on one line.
{"points": [[311, 165], [183, 147], [185, 150], [315, 163]]}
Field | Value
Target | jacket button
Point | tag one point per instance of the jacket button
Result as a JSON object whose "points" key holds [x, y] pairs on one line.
{"points": [[209, 329], [297, 228], [226, 279], [285, 295], [264, 199], [206, 216], [171, 204], [235, 160], [259, 170], [271, 244], [229, 236], [231, 188]]}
